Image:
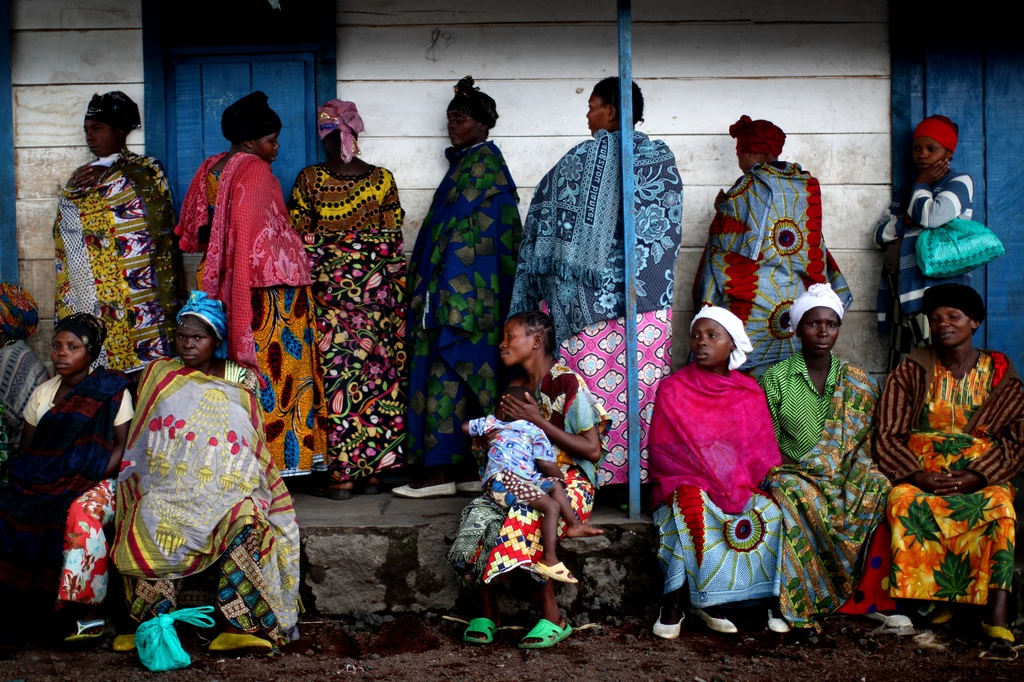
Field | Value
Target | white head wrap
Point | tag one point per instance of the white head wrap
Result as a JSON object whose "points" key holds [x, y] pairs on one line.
{"points": [[818, 295], [734, 326]]}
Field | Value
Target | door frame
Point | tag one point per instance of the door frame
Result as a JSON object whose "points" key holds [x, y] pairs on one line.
{"points": [[156, 54], [8, 199]]}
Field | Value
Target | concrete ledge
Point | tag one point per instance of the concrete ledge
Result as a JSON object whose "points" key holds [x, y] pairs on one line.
{"points": [[378, 555]]}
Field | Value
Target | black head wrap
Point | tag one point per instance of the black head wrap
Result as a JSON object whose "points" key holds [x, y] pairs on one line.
{"points": [[959, 296], [91, 330], [470, 101], [116, 109], [250, 118]]}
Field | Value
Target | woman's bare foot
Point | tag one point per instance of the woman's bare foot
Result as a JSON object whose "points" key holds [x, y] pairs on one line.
{"points": [[582, 530]]}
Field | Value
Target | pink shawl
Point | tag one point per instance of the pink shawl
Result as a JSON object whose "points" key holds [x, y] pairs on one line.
{"points": [[252, 244], [712, 432]]}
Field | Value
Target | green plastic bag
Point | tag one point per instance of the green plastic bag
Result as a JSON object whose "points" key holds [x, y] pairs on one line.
{"points": [[158, 644], [956, 248]]}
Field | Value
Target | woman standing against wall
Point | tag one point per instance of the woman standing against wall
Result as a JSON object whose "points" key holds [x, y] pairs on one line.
{"points": [[116, 257], [572, 261], [462, 265], [349, 217], [255, 264]]}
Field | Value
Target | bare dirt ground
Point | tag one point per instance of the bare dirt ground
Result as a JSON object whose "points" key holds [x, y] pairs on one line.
{"points": [[429, 648]]}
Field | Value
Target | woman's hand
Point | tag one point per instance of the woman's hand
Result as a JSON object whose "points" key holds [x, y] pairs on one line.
{"points": [[962, 482], [86, 176], [721, 198], [934, 172], [516, 408]]}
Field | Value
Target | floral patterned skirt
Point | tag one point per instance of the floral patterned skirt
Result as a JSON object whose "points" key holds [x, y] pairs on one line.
{"points": [[291, 383], [86, 572], [598, 353]]}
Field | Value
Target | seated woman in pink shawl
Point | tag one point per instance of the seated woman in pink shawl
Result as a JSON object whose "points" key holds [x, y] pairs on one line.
{"points": [[712, 442]]}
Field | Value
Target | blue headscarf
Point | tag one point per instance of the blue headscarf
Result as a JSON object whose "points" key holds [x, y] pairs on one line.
{"points": [[210, 311]]}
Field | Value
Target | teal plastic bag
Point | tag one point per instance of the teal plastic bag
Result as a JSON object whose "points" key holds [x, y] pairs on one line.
{"points": [[956, 248], [158, 644]]}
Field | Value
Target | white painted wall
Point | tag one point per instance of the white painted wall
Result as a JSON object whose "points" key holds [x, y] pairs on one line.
{"points": [[819, 70]]}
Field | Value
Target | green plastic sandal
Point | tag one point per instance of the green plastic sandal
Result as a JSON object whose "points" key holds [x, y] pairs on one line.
{"points": [[480, 626], [547, 632]]}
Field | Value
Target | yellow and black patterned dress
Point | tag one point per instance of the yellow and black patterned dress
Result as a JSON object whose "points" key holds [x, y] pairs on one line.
{"points": [[352, 230]]}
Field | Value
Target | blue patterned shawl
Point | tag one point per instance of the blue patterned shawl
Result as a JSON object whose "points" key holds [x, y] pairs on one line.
{"points": [[572, 252]]}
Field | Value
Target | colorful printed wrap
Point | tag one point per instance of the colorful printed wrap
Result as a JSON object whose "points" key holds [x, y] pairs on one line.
{"points": [[833, 498], [493, 540], [68, 454], [197, 474], [19, 315], [765, 247], [957, 548], [116, 259], [463, 267], [572, 256], [5, 446], [21, 371], [352, 231], [252, 245]]}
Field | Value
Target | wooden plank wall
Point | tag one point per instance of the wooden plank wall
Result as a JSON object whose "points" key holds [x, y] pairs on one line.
{"points": [[63, 52], [819, 70]]}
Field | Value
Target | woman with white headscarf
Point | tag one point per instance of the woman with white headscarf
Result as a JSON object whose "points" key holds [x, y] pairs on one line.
{"points": [[831, 494], [712, 443]]}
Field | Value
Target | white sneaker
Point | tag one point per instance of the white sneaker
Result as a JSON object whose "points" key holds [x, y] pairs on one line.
{"points": [[777, 624], [426, 492], [723, 625], [894, 621], [473, 487], [667, 631]]}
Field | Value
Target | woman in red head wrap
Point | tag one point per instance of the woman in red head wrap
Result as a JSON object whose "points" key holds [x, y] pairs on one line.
{"points": [[938, 194], [765, 246]]}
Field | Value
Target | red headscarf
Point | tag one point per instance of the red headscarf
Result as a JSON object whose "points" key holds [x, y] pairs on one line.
{"points": [[757, 137], [939, 129]]}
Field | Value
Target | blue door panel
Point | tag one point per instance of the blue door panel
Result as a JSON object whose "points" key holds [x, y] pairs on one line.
{"points": [[285, 83], [1004, 119], [222, 85], [187, 129]]}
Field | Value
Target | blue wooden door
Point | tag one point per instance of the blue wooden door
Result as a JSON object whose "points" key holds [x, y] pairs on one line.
{"points": [[982, 89], [201, 87]]}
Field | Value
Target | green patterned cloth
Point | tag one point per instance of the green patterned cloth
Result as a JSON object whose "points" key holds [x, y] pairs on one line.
{"points": [[463, 268], [798, 412]]}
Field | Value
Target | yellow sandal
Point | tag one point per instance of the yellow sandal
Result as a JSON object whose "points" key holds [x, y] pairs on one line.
{"points": [[997, 632]]}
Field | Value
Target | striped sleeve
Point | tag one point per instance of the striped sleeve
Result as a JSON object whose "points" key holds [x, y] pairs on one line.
{"points": [[895, 416], [930, 208], [1003, 461]]}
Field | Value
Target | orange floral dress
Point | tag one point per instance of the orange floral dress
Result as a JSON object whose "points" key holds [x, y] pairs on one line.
{"points": [[955, 547]]}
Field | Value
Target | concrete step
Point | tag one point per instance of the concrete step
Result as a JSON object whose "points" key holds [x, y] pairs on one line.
{"points": [[379, 554]]}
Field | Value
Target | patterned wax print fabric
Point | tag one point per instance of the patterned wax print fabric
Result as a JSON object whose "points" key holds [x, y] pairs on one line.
{"points": [[20, 372], [117, 260], [291, 390], [5, 447], [514, 447], [572, 257], [463, 267], [199, 483], [955, 547], [492, 540], [723, 558], [86, 572], [598, 352], [352, 230], [507, 488], [765, 247], [872, 592], [68, 455], [833, 498]]}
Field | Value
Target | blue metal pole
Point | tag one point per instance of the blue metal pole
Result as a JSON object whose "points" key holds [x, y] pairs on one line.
{"points": [[629, 239], [8, 217]]}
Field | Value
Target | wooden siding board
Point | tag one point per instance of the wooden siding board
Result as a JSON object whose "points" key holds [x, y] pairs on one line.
{"points": [[35, 228], [582, 51], [76, 14], [63, 57], [53, 115], [702, 107], [41, 172]]}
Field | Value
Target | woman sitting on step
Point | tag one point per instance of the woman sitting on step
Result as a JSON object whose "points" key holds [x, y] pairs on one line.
{"points": [[493, 540], [712, 443], [202, 512]]}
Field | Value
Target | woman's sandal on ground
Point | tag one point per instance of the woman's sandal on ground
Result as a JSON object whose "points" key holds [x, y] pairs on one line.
{"points": [[998, 634], [479, 626], [90, 629], [241, 644], [124, 643], [557, 572], [665, 630], [547, 632]]}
